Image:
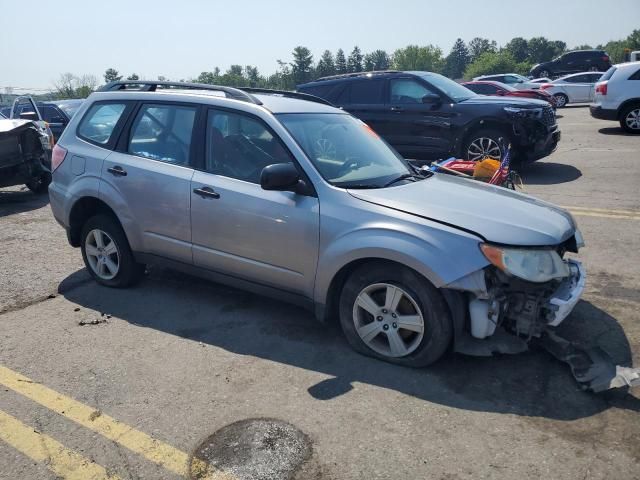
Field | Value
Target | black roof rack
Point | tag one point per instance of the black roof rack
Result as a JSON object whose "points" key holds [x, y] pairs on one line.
{"points": [[356, 74], [287, 94], [152, 86]]}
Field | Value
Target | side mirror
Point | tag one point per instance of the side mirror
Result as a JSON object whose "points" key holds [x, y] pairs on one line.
{"points": [[431, 99], [279, 176], [29, 116]]}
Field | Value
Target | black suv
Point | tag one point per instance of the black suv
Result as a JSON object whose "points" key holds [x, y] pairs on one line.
{"points": [[427, 116], [573, 62]]}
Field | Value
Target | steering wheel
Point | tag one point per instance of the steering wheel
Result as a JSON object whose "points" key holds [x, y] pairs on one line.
{"points": [[351, 163]]}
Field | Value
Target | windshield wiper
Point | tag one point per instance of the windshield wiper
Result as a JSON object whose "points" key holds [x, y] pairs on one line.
{"points": [[404, 176]]}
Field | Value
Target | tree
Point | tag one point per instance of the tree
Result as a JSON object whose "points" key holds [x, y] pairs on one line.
{"points": [[543, 50], [326, 65], [252, 75], [341, 62], [111, 75], [495, 62], [413, 57], [133, 76], [457, 60], [377, 60], [354, 62], [479, 45], [72, 86], [518, 48], [301, 65]]}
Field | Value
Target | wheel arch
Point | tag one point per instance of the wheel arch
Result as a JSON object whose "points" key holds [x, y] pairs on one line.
{"points": [[626, 104], [83, 209], [482, 124]]}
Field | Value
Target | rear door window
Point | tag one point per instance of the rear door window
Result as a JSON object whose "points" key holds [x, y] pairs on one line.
{"points": [[367, 91], [406, 91], [100, 122], [163, 132]]}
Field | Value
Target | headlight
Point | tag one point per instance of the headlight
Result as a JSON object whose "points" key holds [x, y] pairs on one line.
{"points": [[524, 112], [528, 264]]}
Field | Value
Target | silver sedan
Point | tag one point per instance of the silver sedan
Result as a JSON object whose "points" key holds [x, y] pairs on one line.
{"points": [[574, 88]]}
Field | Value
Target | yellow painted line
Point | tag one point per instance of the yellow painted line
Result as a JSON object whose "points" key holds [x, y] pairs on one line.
{"points": [[65, 463], [604, 213], [154, 450]]}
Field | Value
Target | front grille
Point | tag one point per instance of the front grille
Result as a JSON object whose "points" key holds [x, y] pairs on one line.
{"points": [[548, 116]]}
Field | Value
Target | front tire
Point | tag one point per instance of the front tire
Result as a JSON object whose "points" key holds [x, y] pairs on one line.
{"points": [[390, 312], [485, 143], [107, 254], [630, 119], [561, 100], [544, 74]]}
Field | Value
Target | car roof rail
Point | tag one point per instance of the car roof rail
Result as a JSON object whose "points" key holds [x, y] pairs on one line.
{"points": [[287, 94], [355, 74], [152, 86]]}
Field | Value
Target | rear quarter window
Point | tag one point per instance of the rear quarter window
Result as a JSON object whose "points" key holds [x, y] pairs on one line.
{"points": [[100, 121], [636, 75]]}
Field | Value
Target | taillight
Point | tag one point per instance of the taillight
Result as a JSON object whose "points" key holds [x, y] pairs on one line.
{"points": [[57, 157], [605, 59], [544, 86], [601, 88]]}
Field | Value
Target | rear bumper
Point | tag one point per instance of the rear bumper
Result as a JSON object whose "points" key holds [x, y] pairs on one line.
{"points": [[603, 113]]}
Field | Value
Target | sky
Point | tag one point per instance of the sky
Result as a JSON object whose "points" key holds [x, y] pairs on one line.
{"points": [[180, 39]]}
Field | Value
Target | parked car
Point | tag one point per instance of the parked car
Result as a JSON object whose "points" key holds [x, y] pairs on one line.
{"points": [[573, 62], [574, 88], [540, 80], [56, 113], [24, 158], [617, 96], [512, 79], [502, 90], [409, 263], [427, 116]]}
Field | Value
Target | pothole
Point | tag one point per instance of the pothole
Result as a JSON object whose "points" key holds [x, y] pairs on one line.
{"points": [[252, 449]]}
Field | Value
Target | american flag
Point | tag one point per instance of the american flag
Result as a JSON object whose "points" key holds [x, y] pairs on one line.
{"points": [[501, 174]]}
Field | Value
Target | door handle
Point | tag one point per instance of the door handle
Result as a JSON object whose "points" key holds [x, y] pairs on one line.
{"points": [[206, 192], [117, 170], [397, 109]]}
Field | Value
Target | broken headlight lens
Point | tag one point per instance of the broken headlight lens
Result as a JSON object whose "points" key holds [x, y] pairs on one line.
{"points": [[532, 265]]}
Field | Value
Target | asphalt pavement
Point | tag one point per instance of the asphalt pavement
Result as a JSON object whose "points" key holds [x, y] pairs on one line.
{"points": [[178, 377]]}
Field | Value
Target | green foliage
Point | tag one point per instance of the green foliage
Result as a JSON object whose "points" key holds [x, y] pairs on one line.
{"points": [[301, 67], [495, 62], [69, 85], [133, 76], [111, 75], [377, 60], [341, 62], [479, 45], [457, 60], [354, 62], [326, 65], [615, 48], [518, 47], [543, 50], [413, 57]]}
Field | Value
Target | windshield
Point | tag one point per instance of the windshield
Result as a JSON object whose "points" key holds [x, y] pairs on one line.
{"points": [[346, 151], [453, 90], [70, 108]]}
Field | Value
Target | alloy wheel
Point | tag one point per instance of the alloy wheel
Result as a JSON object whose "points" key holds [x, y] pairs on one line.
{"points": [[102, 254], [632, 120], [388, 320], [561, 101], [484, 147]]}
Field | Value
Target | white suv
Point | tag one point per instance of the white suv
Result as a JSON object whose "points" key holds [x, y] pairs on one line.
{"points": [[617, 96]]}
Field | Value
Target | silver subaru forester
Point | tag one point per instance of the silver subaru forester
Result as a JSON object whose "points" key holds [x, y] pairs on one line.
{"points": [[285, 195]]}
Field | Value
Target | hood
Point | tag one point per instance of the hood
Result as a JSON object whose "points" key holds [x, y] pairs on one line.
{"points": [[494, 213], [505, 101]]}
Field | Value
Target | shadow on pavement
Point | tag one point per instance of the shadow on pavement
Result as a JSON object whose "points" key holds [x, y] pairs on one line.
{"points": [[18, 201], [616, 131], [531, 384], [549, 173]]}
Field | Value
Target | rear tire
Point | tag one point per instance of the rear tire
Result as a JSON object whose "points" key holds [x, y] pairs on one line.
{"points": [[544, 74], [107, 254], [630, 119], [406, 320], [561, 100]]}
